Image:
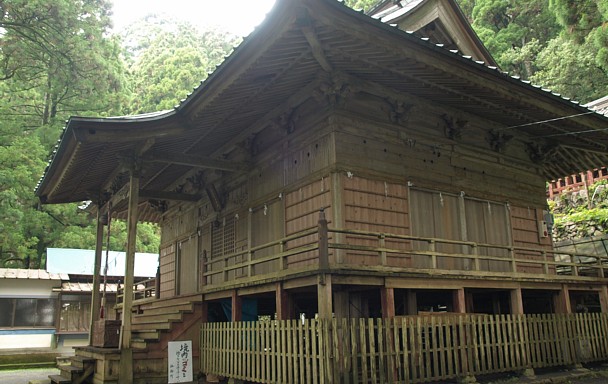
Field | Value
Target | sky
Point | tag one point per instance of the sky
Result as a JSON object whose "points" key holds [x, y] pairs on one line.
{"points": [[236, 16]]}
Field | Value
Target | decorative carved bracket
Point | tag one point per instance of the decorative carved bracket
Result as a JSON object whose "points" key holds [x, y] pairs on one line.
{"points": [[285, 123], [454, 127], [196, 181], [541, 153], [160, 206], [333, 92], [400, 111], [498, 140]]}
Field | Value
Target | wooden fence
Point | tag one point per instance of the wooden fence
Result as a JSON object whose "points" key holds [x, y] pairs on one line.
{"points": [[410, 349]]}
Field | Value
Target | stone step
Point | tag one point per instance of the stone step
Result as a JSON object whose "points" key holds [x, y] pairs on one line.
{"points": [[58, 379], [70, 372], [81, 361]]}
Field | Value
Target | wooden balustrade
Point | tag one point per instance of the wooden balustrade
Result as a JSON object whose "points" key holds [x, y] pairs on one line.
{"points": [[474, 257]]}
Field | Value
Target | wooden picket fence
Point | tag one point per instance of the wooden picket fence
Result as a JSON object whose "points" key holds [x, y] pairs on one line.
{"points": [[410, 349]]}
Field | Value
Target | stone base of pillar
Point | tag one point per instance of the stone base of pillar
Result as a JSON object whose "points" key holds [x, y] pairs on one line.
{"points": [[578, 368], [211, 378], [528, 373], [467, 379], [235, 381]]}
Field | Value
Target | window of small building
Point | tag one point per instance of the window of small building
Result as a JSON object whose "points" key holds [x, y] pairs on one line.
{"points": [[75, 313], [27, 312]]}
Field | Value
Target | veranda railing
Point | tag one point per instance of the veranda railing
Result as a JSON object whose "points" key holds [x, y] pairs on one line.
{"points": [[425, 253], [411, 349]]}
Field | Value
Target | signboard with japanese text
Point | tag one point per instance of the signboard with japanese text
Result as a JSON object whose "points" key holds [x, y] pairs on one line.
{"points": [[180, 361]]}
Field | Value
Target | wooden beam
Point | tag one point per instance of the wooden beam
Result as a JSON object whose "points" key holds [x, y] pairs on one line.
{"points": [[195, 161], [317, 48], [125, 131], [163, 195]]}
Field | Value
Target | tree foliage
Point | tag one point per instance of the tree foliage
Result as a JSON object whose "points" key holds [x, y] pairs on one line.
{"points": [[560, 44], [169, 65]]}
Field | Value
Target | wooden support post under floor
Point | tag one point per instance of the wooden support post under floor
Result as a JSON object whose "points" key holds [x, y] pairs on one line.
{"points": [[237, 307], [324, 297], [604, 298], [387, 298], [517, 302], [284, 309], [459, 301], [562, 300]]}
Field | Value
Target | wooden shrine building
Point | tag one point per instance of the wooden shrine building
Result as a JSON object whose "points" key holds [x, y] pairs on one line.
{"points": [[337, 165]]}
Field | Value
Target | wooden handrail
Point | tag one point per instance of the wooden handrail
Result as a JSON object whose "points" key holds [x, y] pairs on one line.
{"points": [[574, 264]]}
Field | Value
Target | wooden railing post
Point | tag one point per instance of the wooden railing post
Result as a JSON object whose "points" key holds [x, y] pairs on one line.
{"points": [[475, 253], [382, 241], [283, 259], [513, 260], [157, 283], [545, 264], [433, 254]]}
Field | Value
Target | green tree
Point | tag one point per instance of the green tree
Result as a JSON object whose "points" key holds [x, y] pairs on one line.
{"points": [[513, 30], [58, 61], [571, 69], [365, 5], [173, 63]]}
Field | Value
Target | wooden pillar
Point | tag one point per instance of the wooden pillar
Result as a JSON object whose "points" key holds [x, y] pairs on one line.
{"points": [[412, 302], [95, 295], [604, 298], [337, 204], [283, 303], [459, 301], [562, 301], [341, 304], [236, 307], [126, 353], [387, 298], [323, 243], [324, 297], [517, 302]]}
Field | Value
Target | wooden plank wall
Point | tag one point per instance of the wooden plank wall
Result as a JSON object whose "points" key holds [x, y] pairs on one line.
{"points": [[181, 225], [525, 223], [302, 207], [377, 206], [419, 152], [167, 270]]}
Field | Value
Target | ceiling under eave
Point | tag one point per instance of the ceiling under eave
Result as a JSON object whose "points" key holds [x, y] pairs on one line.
{"points": [[276, 66]]}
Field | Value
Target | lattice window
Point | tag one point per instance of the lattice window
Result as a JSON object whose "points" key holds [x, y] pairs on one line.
{"points": [[223, 237]]}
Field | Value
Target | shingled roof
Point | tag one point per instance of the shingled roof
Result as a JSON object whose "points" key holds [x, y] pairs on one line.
{"points": [[280, 64]]}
